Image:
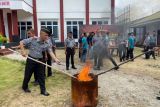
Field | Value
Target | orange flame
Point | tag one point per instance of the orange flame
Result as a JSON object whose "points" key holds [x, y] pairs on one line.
{"points": [[83, 75]]}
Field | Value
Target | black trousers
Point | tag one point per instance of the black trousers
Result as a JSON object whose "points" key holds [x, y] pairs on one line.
{"points": [[98, 58], [122, 52], [111, 59], [49, 62], [130, 53], [147, 55], [70, 53], [32, 66], [151, 47]]}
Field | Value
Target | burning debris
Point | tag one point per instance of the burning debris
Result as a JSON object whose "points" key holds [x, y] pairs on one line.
{"points": [[84, 73]]}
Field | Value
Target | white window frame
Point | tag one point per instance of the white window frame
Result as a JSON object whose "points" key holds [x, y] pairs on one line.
{"points": [[19, 26], [58, 30], [100, 20], [72, 20]]}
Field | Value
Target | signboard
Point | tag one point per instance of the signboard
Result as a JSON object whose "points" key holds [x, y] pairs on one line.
{"points": [[112, 29], [4, 4]]}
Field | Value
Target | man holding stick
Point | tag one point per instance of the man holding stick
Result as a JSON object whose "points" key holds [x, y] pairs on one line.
{"points": [[36, 47]]}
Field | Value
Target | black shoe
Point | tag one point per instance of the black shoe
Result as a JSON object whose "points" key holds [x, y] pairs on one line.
{"points": [[67, 68], [116, 68], [27, 90], [45, 93], [74, 67], [158, 98]]}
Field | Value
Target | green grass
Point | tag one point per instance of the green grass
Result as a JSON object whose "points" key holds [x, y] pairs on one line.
{"points": [[12, 74]]}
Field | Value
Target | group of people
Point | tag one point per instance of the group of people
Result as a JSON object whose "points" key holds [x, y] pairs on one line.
{"points": [[95, 46], [99, 46], [91, 45], [126, 48], [40, 48], [149, 44]]}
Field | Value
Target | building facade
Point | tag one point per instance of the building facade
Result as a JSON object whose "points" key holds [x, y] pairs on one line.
{"points": [[140, 17], [62, 16]]}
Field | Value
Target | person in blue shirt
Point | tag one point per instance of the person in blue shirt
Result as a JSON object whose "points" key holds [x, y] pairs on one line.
{"points": [[131, 44], [80, 44], [84, 48]]}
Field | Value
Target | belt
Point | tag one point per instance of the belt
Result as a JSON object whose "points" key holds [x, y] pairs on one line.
{"points": [[35, 58], [70, 48]]}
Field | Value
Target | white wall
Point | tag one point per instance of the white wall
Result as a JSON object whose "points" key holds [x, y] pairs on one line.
{"points": [[48, 9], [17, 4], [27, 7], [74, 8], [29, 2], [100, 8]]}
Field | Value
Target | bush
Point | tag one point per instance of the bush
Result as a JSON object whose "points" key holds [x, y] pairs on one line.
{"points": [[2, 39]]}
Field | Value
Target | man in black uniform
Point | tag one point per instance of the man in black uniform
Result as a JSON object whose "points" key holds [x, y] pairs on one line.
{"points": [[70, 50], [36, 47]]}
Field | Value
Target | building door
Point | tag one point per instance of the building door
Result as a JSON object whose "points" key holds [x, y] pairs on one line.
{"points": [[158, 37]]}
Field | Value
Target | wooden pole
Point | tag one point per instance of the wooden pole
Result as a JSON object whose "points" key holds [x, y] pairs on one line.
{"points": [[45, 64], [125, 62]]}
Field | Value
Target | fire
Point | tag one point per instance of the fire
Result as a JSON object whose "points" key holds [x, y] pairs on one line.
{"points": [[83, 75]]}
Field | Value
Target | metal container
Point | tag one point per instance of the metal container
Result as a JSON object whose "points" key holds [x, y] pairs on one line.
{"points": [[84, 93]]}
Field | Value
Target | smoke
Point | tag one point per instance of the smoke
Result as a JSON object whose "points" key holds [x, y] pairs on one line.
{"points": [[138, 8], [100, 52]]}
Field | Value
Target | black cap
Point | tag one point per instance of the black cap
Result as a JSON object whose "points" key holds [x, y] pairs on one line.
{"points": [[46, 30]]}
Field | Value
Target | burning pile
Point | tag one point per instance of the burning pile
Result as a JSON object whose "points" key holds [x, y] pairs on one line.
{"points": [[84, 74], [85, 88]]}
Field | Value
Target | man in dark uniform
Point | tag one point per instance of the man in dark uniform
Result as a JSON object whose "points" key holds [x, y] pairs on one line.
{"points": [[36, 47], [30, 33], [152, 44], [70, 50], [122, 50], [49, 59]]}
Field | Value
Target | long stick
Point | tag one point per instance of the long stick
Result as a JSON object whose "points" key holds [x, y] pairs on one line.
{"points": [[125, 62], [45, 64]]}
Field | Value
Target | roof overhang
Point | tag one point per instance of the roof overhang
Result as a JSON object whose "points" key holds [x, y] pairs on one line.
{"points": [[16, 5], [146, 20]]}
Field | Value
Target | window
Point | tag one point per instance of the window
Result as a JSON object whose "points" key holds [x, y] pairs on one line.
{"points": [[99, 22], [105, 23], [23, 27], [73, 26], [94, 22], [140, 34], [53, 25]]}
